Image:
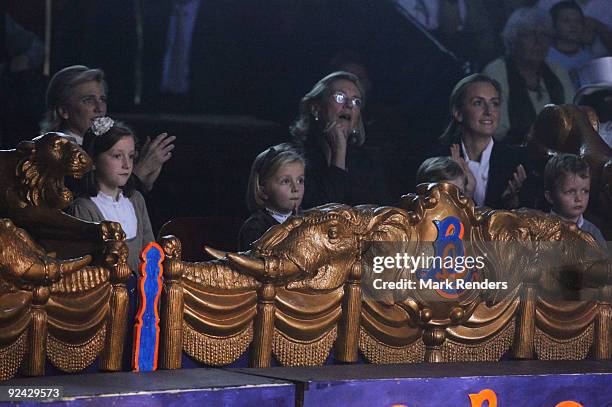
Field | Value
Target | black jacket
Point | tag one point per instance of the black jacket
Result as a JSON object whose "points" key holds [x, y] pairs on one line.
{"points": [[502, 165], [362, 183], [253, 228]]}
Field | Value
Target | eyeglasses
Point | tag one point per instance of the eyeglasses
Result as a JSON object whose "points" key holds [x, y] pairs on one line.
{"points": [[341, 99]]}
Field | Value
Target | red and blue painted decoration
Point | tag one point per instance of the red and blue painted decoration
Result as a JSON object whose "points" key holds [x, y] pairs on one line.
{"points": [[448, 243], [146, 328]]}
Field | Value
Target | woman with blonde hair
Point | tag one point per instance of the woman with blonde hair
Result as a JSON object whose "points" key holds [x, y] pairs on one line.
{"points": [[497, 170], [329, 127]]}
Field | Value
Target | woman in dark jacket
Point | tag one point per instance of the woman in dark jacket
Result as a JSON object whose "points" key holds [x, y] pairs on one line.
{"points": [[498, 170], [331, 132]]}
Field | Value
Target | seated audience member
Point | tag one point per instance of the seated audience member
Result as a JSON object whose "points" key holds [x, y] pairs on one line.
{"points": [[330, 129], [568, 50], [498, 169], [444, 169], [274, 192], [596, 92], [76, 95], [567, 185], [597, 36], [107, 191], [528, 82]]}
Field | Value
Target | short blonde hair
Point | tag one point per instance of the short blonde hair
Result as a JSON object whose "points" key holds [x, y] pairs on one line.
{"points": [[61, 88], [265, 165], [439, 169]]}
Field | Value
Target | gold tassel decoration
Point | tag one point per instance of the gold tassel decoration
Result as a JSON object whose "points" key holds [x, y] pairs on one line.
{"points": [[576, 348], [116, 261], [291, 352], [75, 357], [216, 351], [348, 341], [489, 350], [36, 355], [379, 353], [172, 306], [524, 336], [603, 329], [261, 353], [12, 356]]}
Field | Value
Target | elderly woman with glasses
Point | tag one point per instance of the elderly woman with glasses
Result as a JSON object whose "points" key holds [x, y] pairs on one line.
{"points": [[528, 82], [330, 130]]}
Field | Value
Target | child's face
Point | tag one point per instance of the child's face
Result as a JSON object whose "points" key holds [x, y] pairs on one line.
{"points": [[571, 197], [570, 25], [283, 191], [114, 166]]}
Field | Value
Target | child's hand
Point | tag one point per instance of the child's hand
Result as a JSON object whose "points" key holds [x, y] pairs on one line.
{"points": [[471, 180], [510, 196]]}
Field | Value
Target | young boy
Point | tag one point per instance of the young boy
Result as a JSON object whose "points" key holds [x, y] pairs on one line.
{"points": [[567, 181], [442, 169]]}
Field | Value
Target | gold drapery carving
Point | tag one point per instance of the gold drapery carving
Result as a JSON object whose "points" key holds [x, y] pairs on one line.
{"points": [[12, 355], [293, 286], [291, 352], [487, 350], [380, 353], [217, 325], [73, 357], [216, 351], [305, 325], [548, 347]]}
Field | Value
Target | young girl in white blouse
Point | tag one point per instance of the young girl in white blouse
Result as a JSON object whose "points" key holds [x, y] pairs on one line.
{"points": [[108, 192]]}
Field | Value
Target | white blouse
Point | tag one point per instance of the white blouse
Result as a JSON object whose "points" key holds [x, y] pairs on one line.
{"points": [[120, 210], [480, 169]]}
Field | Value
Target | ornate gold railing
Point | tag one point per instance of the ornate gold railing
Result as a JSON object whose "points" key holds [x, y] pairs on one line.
{"points": [[304, 288]]}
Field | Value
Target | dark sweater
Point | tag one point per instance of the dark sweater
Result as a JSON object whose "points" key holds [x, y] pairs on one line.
{"points": [[253, 228], [363, 182]]}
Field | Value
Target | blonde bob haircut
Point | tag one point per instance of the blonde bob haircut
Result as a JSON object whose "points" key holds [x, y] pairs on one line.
{"points": [[266, 164]]}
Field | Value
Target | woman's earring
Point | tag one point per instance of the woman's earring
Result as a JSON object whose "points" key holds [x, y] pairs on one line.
{"points": [[315, 114]]}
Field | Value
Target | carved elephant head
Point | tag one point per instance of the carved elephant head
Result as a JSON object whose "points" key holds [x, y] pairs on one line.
{"points": [[319, 247]]}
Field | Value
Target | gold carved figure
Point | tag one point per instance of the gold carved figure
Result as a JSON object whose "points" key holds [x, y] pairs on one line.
{"points": [[34, 194], [300, 288], [573, 129]]}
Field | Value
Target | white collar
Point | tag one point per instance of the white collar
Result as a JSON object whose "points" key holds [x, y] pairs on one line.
{"points": [[110, 199], [579, 222], [278, 216], [486, 153]]}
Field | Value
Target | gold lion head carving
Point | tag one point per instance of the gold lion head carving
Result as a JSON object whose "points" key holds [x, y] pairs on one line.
{"points": [[45, 162]]}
